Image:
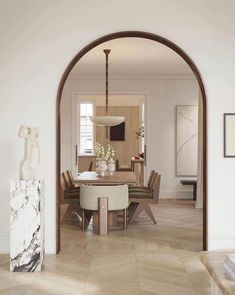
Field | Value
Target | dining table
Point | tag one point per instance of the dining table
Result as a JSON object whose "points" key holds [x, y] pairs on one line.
{"points": [[118, 177], [92, 178]]}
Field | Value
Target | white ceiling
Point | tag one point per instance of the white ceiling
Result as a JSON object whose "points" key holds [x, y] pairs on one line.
{"points": [[132, 56]]}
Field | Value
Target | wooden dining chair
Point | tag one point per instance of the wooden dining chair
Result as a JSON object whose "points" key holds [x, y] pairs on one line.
{"points": [[70, 197], [140, 191], [142, 200], [90, 166], [70, 178], [68, 181], [133, 188]]}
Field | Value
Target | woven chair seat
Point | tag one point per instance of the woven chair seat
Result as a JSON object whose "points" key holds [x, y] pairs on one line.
{"points": [[71, 195], [74, 190], [138, 188], [141, 195]]}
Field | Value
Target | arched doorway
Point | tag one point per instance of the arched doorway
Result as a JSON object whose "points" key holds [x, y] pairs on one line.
{"points": [[187, 59]]}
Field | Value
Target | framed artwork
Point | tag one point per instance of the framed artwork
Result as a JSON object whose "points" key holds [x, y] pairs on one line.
{"points": [[229, 135], [186, 140], [117, 133]]}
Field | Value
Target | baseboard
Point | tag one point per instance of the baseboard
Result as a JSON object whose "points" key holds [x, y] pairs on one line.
{"points": [[4, 245], [221, 243], [176, 194], [50, 245]]}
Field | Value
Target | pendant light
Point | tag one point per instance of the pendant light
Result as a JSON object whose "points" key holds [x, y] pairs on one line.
{"points": [[107, 120]]}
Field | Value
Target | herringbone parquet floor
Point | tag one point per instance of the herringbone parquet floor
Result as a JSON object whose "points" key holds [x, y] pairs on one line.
{"points": [[146, 259]]}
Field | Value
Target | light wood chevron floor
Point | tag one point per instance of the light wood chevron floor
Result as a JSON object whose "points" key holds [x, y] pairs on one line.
{"points": [[146, 259]]}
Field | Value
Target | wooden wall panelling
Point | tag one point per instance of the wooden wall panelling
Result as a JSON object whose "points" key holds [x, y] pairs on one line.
{"points": [[84, 162]]}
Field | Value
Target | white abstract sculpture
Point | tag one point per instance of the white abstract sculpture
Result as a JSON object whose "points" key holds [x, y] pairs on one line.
{"points": [[29, 164]]}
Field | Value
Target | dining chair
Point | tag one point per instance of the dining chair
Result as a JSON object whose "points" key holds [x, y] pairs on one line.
{"points": [[69, 181], [70, 178], [141, 200], [140, 190], [116, 197], [90, 166], [70, 197], [152, 175]]}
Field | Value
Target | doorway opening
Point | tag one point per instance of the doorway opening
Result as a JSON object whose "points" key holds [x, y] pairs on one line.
{"points": [[186, 58], [84, 134]]}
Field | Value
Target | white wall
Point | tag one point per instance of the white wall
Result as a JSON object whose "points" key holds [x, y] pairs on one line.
{"points": [[163, 94], [40, 38]]}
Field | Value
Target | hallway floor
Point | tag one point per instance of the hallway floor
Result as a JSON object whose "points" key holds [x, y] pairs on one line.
{"points": [[146, 259]]}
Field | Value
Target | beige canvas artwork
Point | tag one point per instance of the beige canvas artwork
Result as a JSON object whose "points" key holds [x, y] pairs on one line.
{"points": [[186, 140]]}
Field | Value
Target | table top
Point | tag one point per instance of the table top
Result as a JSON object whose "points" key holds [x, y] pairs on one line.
{"points": [[214, 263], [118, 177], [140, 160]]}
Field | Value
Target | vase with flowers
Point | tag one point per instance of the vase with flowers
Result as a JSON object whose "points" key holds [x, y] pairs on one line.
{"points": [[101, 166], [110, 153]]}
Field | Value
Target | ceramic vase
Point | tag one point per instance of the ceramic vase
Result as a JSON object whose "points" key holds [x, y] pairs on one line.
{"points": [[101, 167], [111, 166]]}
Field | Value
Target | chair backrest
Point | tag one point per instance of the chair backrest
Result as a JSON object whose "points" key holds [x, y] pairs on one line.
{"points": [[67, 179], [63, 187], [117, 196], [70, 176], [62, 183], [151, 178], [117, 165], [156, 186], [90, 166]]}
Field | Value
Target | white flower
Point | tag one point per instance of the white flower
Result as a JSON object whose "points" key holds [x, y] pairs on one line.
{"points": [[101, 153]]}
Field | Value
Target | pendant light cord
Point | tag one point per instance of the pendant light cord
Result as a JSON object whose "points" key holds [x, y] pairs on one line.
{"points": [[107, 51], [106, 120]]}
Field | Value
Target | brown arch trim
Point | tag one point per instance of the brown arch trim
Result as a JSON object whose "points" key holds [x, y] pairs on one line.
{"points": [[188, 60]]}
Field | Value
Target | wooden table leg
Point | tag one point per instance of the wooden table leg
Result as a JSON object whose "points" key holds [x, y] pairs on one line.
{"points": [[100, 218], [103, 216], [141, 173], [96, 222]]}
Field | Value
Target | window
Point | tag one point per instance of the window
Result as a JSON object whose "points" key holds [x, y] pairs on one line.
{"points": [[86, 130]]}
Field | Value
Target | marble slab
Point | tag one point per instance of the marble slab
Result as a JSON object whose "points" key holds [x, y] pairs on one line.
{"points": [[26, 225], [214, 263]]}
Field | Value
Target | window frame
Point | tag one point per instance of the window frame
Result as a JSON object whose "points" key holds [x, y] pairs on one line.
{"points": [[78, 123]]}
